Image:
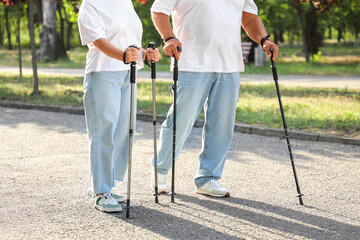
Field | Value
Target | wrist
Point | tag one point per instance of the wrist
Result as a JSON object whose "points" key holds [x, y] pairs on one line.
{"points": [[168, 39], [264, 39]]}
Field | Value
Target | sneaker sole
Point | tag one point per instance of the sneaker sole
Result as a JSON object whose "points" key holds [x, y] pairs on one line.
{"points": [[121, 200], [108, 210], [159, 191], [211, 194]]}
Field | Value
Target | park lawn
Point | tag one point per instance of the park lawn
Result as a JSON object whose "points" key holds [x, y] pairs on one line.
{"points": [[334, 60], [321, 110]]}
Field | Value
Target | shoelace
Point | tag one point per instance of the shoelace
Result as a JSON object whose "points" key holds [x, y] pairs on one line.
{"points": [[106, 195], [108, 198], [214, 183]]}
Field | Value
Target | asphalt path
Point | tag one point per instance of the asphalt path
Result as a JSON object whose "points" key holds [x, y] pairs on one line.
{"points": [[351, 82], [44, 178]]}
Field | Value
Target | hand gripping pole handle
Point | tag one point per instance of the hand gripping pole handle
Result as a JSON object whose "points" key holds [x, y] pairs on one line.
{"points": [[273, 67], [133, 67], [153, 68]]}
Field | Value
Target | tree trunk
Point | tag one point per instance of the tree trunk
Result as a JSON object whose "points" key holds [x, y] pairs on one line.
{"points": [[1, 35], [18, 4], [60, 48], [303, 32], [48, 34], [281, 36], [339, 35], [8, 27], [330, 33], [69, 26], [62, 27], [68, 35], [33, 50], [313, 37], [291, 37], [276, 37], [39, 10]]}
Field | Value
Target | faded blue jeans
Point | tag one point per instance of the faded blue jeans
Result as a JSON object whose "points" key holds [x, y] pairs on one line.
{"points": [[218, 94], [107, 113]]}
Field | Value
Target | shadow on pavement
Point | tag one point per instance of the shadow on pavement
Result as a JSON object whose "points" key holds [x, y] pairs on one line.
{"points": [[288, 220], [171, 226]]}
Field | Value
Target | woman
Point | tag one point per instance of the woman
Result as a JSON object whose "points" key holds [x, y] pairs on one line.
{"points": [[109, 28]]}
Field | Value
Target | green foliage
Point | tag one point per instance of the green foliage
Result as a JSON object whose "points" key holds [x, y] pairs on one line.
{"points": [[317, 57], [69, 8], [149, 33]]}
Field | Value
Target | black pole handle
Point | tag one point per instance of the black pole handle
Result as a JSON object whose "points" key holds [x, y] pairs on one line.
{"points": [[273, 67], [271, 58], [151, 45], [153, 65]]}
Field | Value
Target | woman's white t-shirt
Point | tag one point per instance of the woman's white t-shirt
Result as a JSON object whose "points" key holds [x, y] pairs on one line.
{"points": [[210, 32], [115, 20]]}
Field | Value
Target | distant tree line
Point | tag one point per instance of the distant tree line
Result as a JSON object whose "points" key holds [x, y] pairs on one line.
{"points": [[55, 23]]}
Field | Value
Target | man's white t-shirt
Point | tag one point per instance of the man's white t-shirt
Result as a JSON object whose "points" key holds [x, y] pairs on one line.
{"points": [[210, 32], [115, 20]]}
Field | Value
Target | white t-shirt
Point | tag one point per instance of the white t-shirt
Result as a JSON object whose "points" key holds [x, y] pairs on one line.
{"points": [[210, 32], [115, 20]]}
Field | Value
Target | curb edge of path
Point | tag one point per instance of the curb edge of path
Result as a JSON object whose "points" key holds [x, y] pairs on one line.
{"points": [[242, 128]]}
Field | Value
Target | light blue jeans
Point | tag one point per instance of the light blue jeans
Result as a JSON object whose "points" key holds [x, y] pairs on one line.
{"points": [[218, 94], [107, 113]]}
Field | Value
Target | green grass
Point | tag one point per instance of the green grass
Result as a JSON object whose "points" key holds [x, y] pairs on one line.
{"points": [[323, 110], [303, 68], [76, 59], [336, 60]]}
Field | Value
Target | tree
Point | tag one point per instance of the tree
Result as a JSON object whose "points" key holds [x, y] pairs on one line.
{"points": [[7, 26], [51, 48], [32, 38], [308, 20], [32, 44], [18, 6], [66, 10]]}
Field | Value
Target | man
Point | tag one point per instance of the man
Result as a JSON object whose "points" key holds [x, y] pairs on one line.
{"points": [[209, 34]]}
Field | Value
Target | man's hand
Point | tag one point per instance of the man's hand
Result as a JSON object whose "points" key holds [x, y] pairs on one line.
{"points": [[255, 29], [162, 24], [269, 44], [171, 48]]}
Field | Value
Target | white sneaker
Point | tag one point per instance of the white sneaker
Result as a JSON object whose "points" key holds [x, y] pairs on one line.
{"points": [[213, 188], [162, 182], [106, 203], [118, 198]]}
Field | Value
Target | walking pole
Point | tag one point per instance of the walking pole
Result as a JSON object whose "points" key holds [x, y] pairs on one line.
{"points": [[275, 75], [153, 77], [176, 70], [131, 131]]}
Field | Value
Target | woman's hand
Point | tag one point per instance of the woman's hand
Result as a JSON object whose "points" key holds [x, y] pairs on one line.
{"points": [[131, 54], [153, 54]]}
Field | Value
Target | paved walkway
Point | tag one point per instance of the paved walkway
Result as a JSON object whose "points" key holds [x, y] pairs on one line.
{"points": [[352, 82], [44, 177]]}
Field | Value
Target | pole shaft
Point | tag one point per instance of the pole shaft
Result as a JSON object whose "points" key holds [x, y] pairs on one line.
{"points": [[131, 132], [174, 131], [153, 77], [275, 75]]}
